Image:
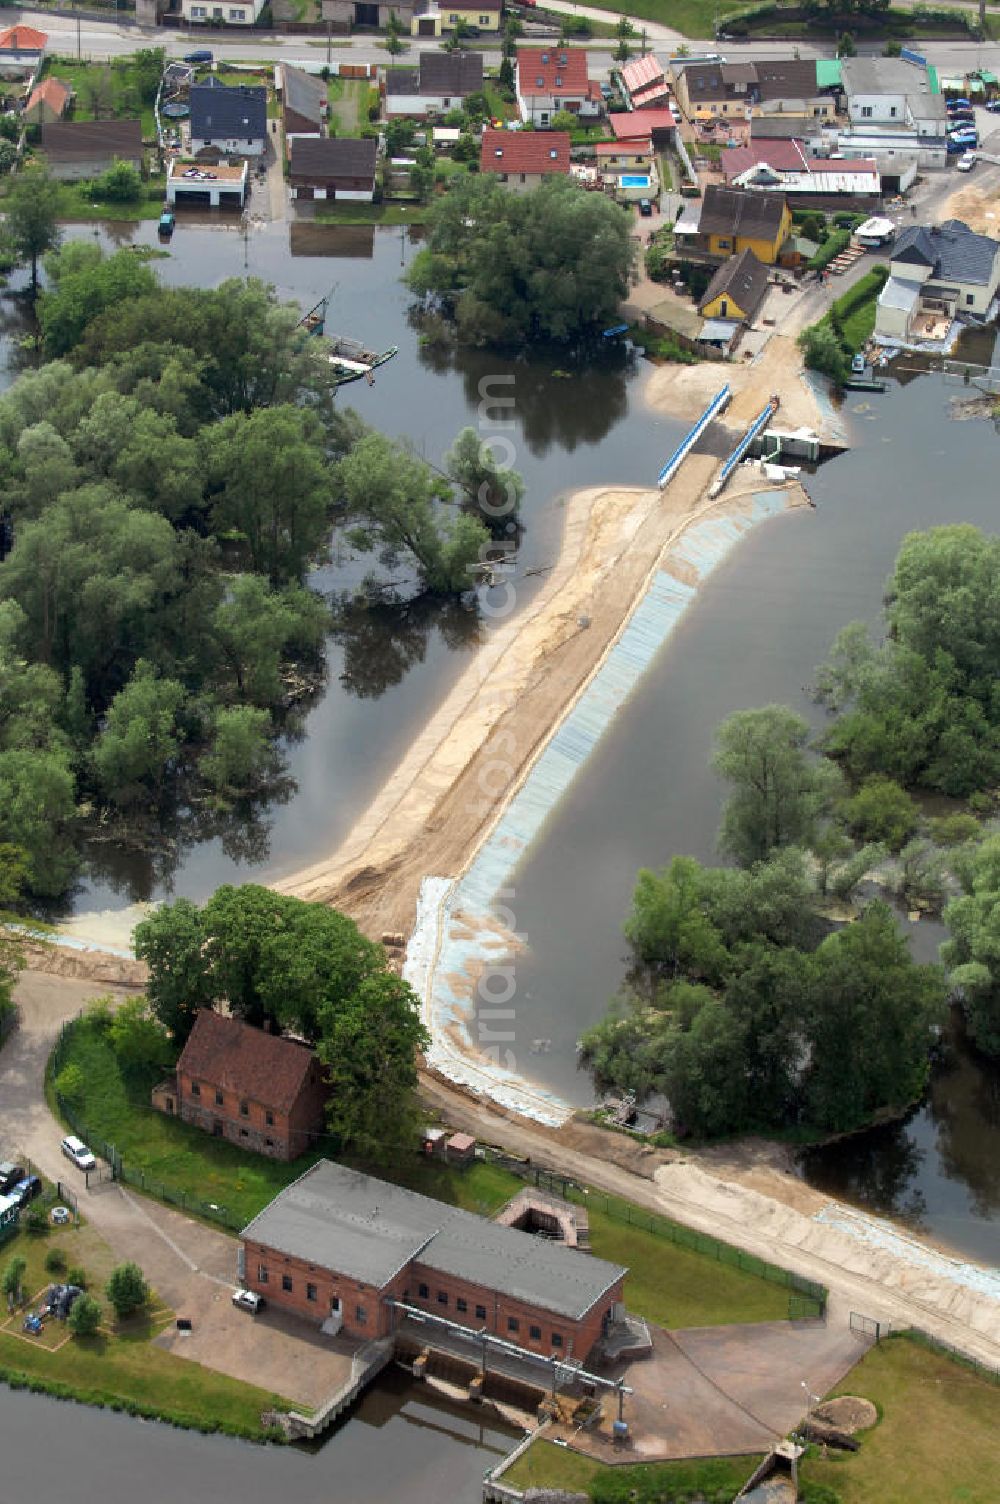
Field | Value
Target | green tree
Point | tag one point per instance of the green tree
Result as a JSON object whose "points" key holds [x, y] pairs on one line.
{"points": [[139, 1039], [392, 500], [32, 210], [398, 136], [271, 485], [121, 184], [13, 880], [874, 1011], [85, 283], [257, 629], [85, 1316], [972, 951], [494, 490], [37, 813], [171, 941], [241, 756], [881, 811], [669, 926], [395, 31], [141, 740], [71, 1084], [823, 352], [12, 1279], [369, 1047], [98, 91], [126, 1289], [780, 795]]}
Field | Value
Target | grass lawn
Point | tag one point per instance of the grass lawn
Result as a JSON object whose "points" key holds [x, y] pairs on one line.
{"points": [[348, 104], [371, 214], [668, 1284], [119, 1365], [544, 1465], [693, 18], [938, 1440], [78, 201], [116, 101]]}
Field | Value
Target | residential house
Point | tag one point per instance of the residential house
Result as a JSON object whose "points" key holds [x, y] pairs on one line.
{"points": [[332, 167], [730, 220], [206, 13], [937, 274], [343, 1248], [548, 80], [644, 82], [894, 108], [624, 156], [21, 51], [523, 159], [433, 19], [256, 1089], [230, 122], [737, 289], [657, 125], [215, 185], [440, 82], [79, 149], [46, 102], [303, 103], [740, 91]]}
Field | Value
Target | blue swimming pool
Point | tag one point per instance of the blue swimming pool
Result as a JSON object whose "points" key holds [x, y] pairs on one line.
{"points": [[634, 180]]}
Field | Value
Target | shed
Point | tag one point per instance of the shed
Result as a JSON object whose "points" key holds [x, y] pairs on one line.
{"points": [[461, 1148]]}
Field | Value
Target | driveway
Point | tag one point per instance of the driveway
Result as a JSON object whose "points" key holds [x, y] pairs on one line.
{"points": [[723, 1390]]}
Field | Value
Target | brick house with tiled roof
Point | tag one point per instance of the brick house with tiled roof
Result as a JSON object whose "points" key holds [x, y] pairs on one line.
{"points": [[522, 159], [256, 1089]]}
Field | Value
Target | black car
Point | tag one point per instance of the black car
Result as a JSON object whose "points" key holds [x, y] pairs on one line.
{"points": [[26, 1190], [645, 208], [59, 1300], [10, 1175], [200, 55]]}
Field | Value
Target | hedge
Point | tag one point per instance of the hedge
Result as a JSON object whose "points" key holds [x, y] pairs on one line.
{"points": [[832, 246]]}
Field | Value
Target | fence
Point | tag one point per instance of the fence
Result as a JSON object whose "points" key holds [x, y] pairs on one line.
{"points": [[945, 1350], [867, 1325], [121, 1170], [9, 1020], [806, 1298]]}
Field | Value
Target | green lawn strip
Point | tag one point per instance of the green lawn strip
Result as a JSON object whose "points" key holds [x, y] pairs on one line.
{"points": [[858, 308], [77, 201], [120, 1368], [938, 1440], [692, 18], [348, 99], [545, 1465], [371, 214], [670, 1284]]}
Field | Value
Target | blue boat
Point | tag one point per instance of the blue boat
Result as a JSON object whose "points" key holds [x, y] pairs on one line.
{"points": [[615, 329]]}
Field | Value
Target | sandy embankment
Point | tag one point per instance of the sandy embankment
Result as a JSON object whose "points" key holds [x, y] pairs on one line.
{"points": [[685, 391]]}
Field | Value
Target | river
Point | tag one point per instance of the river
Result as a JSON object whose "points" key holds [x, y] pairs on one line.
{"points": [[402, 1443], [755, 634]]}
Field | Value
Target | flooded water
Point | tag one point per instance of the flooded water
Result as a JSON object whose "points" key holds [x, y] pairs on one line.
{"points": [[402, 1443], [760, 626], [589, 427]]}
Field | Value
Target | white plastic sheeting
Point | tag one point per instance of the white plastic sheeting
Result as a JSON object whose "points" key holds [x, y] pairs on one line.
{"points": [[882, 1237], [461, 957]]}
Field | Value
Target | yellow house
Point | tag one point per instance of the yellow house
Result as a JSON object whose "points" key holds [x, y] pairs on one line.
{"points": [[734, 220], [737, 289], [432, 18]]}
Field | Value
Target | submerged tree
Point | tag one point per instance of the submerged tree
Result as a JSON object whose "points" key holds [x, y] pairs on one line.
{"points": [[495, 491], [32, 212]]}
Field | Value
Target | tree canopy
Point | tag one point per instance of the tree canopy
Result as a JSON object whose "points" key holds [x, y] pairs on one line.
{"points": [[511, 269]]}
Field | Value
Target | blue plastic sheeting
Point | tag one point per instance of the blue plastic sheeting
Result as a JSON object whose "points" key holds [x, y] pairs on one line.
{"points": [[755, 427], [670, 469], [475, 920]]}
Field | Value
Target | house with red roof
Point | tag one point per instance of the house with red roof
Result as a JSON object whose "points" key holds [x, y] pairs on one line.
{"points": [[523, 159], [644, 82], [548, 80], [47, 102], [21, 51], [258, 1090]]}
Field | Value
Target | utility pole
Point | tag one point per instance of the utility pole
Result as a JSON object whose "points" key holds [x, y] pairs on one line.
{"points": [[79, 44], [329, 43]]}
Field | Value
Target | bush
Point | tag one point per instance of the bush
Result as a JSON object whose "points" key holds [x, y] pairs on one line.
{"points": [[70, 1085], [835, 242], [85, 1316], [121, 184], [78, 1276], [882, 811], [823, 352], [35, 1220], [55, 1261], [127, 1289]]}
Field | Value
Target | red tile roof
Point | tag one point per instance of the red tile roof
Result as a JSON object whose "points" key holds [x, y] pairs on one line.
{"points": [[23, 39], [524, 151], [783, 156], [642, 72], [640, 122], [262, 1067], [557, 71], [52, 92], [637, 146]]}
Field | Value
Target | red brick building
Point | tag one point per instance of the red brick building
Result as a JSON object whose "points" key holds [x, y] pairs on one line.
{"points": [[343, 1245], [256, 1089]]}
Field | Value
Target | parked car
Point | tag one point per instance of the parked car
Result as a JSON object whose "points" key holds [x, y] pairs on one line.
{"points": [[958, 104], [966, 137], [966, 161], [200, 55], [10, 1174], [993, 105], [76, 1150], [857, 365], [26, 1190], [961, 117], [59, 1300], [645, 208], [249, 1300]]}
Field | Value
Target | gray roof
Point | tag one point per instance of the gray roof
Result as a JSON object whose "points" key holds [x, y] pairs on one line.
{"points": [[898, 293], [734, 211], [303, 93], [333, 157], [218, 113], [891, 75], [69, 140], [369, 1230], [952, 251], [402, 81], [780, 128], [743, 278], [451, 73]]}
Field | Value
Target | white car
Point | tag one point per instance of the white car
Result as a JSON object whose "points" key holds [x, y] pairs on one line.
{"points": [[76, 1150], [966, 161], [249, 1300]]}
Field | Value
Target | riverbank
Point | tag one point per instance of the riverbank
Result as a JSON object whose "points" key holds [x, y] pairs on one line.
{"points": [[684, 391]]}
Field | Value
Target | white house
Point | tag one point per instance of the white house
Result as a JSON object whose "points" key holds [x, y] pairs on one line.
{"points": [[204, 12], [937, 273], [220, 187], [896, 103], [548, 80], [440, 83], [21, 51], [230, 121]]}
